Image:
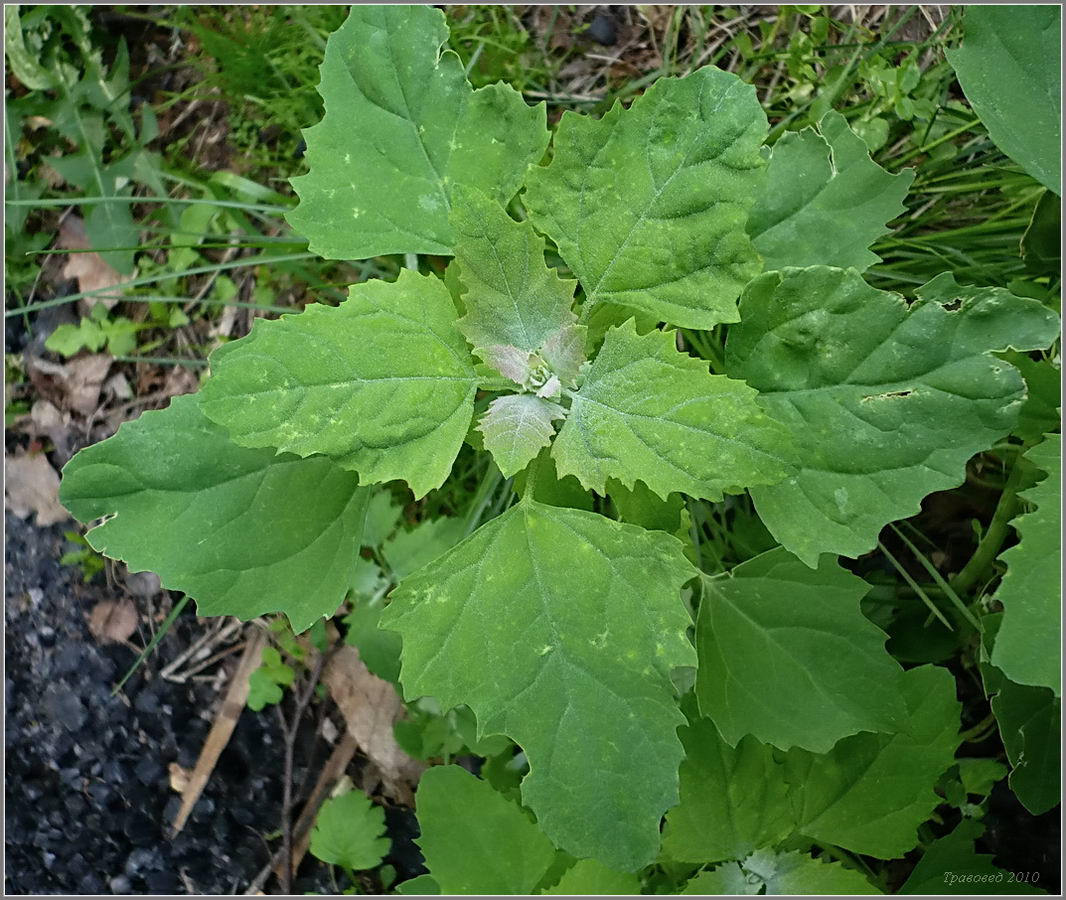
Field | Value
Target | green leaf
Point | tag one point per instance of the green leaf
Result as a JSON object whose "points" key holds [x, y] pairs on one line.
{"points": [[22, 52], [1029, 720], [398, 408], [68, 339], [378, 649], [1043, 396], [1009, 68], [553, 490], [590, 877], [511, 296], [408, 551], [1028, 646], [978, 774], [349, 832], [383, 514], [647, 411], [1041, 245], [638, 505], [733, 800], [780, 873], [420, 884], [870, 793], [475, 841], [266, 682], [887, 400], [648, 205], [402, 128], [245, 532], [786, 655], [262, 691], [729, 878], [580, 680], [516, 427], [825, 200], [950, 865]]}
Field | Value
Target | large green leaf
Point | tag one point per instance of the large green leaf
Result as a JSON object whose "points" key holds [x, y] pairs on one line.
{"points": [[786, 655], [1009, 65], [825, 201], [1029, 720], [781, 873], [402, 127], [648, 205], [243, 531], [870, 793], [383, 383], [950, 865], [647, 411], [579, 678], [511, 296], [1028, 647], [733, 800], [887, 401], [475, 840]]}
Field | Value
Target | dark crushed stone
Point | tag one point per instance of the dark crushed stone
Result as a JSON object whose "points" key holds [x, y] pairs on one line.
{"points": [[88, 795]]}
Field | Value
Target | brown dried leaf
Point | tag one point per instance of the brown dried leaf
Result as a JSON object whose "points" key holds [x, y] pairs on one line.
{"points": [[371, 707], [84, 378], [181, 380], [31, 485], [113, 621], [90, 269], [74, 385]]}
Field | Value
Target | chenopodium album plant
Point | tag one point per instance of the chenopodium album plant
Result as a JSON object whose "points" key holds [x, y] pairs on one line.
{"points": [[837, 405]]}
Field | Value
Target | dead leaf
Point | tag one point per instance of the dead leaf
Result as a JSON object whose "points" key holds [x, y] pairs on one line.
{"points": [[74, 385], [31, 485], [91, 270], [84, 378], [181, 380], [371, 707], [143, 584], [118, 386], [113, 621]]}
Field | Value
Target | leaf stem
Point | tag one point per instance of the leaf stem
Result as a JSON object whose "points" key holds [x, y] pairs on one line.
{"points": [[988, 549], [531, 478]]}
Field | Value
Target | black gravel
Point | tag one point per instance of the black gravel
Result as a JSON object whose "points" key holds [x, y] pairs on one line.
{"points": [[88, 794]]}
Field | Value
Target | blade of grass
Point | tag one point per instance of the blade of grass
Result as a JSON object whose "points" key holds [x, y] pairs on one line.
{"points": [[91, 201], [939, 580], [914, 586], [159, 635], [153, 279]]}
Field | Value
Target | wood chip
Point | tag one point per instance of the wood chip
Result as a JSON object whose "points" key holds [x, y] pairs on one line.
{"points": [[222, 728]]}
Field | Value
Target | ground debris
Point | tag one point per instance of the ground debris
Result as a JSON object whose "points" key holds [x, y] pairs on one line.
{"points": [[92, 271], [31, 486], [113, 621], [371, 706]]}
